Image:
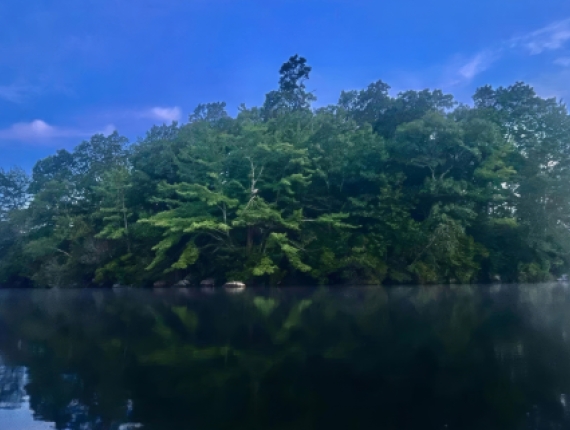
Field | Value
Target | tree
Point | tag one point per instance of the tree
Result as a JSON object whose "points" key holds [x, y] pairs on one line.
{"points": [[14, 185], [538, 129], [413, 188], [114, 209], [292, 95]]}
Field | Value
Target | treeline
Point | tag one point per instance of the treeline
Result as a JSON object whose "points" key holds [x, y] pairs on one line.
{"points": [[415, 188]]}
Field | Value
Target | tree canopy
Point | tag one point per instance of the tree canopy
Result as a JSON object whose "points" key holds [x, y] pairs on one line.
{"points": [[412, 188]]}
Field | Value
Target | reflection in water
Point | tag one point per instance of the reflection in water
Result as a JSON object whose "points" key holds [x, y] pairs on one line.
{"points": [[402, 358], [15, 410], [12, 383]]}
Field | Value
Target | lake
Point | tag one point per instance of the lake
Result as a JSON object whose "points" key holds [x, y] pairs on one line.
{"points": [[437, 357]]}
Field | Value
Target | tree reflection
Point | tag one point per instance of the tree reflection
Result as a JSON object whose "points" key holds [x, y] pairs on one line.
{"points": [[430, 358]]}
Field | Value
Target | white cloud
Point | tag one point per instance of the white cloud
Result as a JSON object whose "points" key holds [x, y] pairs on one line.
{"points": [[39, 131], [36, 129], [168, 114], [548, 38], [563, 61]]}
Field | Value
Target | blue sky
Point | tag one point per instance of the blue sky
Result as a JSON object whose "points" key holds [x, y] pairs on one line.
{"points": [[71, 68]]}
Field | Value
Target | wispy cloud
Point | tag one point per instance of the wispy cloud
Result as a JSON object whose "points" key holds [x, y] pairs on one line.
{"points": [[168, 114], [15, 93], [462, 69], [563, 61], [477, 64], [21, 93], [549, 38], [40, 132]]}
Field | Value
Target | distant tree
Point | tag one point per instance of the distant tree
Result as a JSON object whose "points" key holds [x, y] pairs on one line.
{"points": [[292, 94]]}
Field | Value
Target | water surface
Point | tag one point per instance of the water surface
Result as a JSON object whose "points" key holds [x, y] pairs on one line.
{"points": [[474, 357]]}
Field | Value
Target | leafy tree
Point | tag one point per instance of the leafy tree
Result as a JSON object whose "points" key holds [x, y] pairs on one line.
{"points": [[292, 94], [538, 130], [413, 188], [14, 185]]}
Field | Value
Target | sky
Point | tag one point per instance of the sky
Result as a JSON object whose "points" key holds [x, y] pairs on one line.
{"points": [[70, 69]]}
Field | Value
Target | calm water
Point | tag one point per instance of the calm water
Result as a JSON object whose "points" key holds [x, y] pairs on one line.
{"points": [[360, 358]]}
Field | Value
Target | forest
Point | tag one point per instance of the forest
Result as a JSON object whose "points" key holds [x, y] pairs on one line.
{"points": [[376, 189]]}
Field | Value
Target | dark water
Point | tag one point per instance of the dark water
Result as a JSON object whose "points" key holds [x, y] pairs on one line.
{"points": [[361, 358]]}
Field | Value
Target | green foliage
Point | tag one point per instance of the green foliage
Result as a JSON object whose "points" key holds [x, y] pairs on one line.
{"points": [[14, 185], [533, 272], [373, 189]]}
